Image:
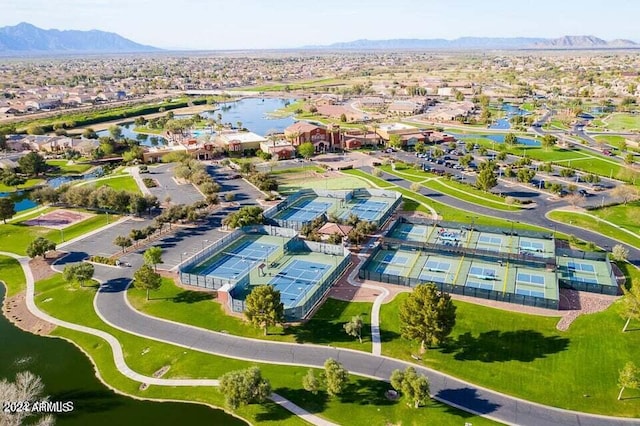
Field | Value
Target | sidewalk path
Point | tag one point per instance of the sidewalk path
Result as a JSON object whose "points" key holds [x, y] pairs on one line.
{"points": [[118, 355]]}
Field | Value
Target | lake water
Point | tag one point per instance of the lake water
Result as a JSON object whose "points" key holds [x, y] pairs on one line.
{"points": [[68, 376], [61, 180], [253, 113], [512, 111], [21, 200]]}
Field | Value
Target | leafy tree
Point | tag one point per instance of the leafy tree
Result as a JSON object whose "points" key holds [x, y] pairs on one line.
{"points": [[548, 141], [620, 253], [243, 387], [526, 175], [134, 153], [146, 278], [511, 139], [122, 242], [115, 131], [250, 215], [395, 141], [486, 179], [39, 247], [630, 305], [629, 158], [89, 133], [306, 150], [412, 385], [629, 378], [153, 256], [465, 160], [7, 209], [354, 327], [336, 377], [78, 272], [32, 164], [310, 382], [335, 238], [377, 172], [415, 187], [427, 315], [263, 307]]}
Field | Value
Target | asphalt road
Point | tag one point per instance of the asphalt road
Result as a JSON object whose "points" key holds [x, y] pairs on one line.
{"points": [[168, 187]]}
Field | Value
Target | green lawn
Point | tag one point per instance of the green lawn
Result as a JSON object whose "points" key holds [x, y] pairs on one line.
{"points": [[297, 170], [145, 356], [11, 274], [621, 121], [16, 236], [447, 212], [524, 355], [627, 216], [66, 168], [27, 184], [124, 182], [589, 222], [614, 140], [452, 188], [201, 310]]}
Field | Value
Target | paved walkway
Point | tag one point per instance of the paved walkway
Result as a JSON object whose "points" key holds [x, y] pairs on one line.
{"points": [[118, 355], [597, 219]]}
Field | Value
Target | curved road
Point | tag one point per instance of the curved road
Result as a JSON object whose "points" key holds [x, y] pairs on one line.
{"points": [[113, 307]]}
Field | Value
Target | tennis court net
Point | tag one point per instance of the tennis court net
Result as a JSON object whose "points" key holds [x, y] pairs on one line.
{"points": [[296, 279]]}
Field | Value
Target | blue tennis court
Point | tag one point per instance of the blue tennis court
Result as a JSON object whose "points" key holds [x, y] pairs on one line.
{"points": [[236, 262], [392, 264], [366, 209], [296, 279], [435, 271], [483, 273], [410, 232], [306, 211]]}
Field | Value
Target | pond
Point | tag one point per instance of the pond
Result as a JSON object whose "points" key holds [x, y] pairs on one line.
{"points": [[61, 180], [511, 111], [144, 139], [21, 200], [69, 376], [253, 113]]}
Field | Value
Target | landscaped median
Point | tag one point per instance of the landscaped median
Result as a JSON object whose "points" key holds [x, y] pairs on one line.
{"points": [[447, 212], [586, 220], [453, 189], [363, 402]]}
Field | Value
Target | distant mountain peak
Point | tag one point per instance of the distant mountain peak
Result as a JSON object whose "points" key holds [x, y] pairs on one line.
{"points": [[25, 39], [475, 43]]}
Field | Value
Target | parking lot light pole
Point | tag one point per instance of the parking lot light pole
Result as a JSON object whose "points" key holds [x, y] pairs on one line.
{"points": [[204, 241]]}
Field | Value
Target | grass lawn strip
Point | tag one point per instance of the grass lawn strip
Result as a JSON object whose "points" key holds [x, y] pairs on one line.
{"points": [[593, 223], [201, 310], [11, 274], [69, 168], [447, 212], [75, 305], [121, 182], [526, 356]]}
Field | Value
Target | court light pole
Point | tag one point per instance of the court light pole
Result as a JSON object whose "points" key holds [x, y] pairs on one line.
{"points": [[62, 234], [203, 242]]}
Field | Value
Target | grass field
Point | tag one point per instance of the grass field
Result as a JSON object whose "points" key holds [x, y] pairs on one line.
{"points": [[364, 397], [66, 168], [621, 121], [304, 169], [614, 140], [526, 356], [201, 310], [593, 224], [27, 184], [452, 188], [447, 212], [124, 182], [11, 274], [15, 237]]}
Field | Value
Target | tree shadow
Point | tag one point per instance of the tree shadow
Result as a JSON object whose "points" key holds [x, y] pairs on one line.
{"points": [[496, 346], [189, 296], [312, 403], [388, 336], [364, 391], [88, 401], [326, 326], [468, 398]]}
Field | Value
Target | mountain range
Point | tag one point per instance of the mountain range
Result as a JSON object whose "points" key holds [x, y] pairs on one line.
{"points": [[27, 39], [472, 43]]}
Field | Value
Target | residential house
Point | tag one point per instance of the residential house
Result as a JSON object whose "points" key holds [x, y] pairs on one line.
{"points": [[323, 138]]}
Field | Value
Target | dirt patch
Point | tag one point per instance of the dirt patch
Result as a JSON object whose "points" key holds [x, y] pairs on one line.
{"points": [[15, 309], [41, 267], [575, 303]]}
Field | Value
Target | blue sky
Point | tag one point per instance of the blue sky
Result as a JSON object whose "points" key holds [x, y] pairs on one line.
{"points": [[249, 24]]}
